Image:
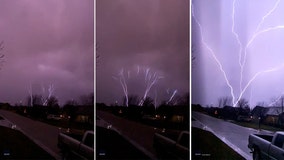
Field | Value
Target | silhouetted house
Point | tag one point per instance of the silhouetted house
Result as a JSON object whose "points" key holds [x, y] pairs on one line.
{"points": [[229, 112], [180, 114], [272, 115], [259, 111], [197, 107], [85, 114], [5, 105], [268, 115], [281, 119]]}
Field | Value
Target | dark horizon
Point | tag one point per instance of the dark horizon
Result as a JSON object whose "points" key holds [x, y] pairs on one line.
{"points": [[238, 52], [139, 41], [47, 43]]}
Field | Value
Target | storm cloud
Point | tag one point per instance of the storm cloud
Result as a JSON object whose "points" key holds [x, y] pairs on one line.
{"points": [[149, 34], [47, 42], [238, 48]]}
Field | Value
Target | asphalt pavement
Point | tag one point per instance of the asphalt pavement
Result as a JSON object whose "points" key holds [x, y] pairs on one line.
{"points": [[42, 134], [233, 135], [136, 133]]}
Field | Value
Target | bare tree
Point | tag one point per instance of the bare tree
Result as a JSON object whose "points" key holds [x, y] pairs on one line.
{"points": [[71, 103], [132, 100], [148, 102], [263, 104], [52, 101], [87, 100], [282, 103], [224, 101], [2, 60], [242, 103], [97, 54], [34, 100], [183, 100], [193, 58]]}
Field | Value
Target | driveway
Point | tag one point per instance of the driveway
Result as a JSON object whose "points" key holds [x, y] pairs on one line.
{"points": [[138, 134], [233, 135], [42, 134]]}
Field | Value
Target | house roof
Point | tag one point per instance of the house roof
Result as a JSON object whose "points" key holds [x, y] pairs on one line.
{"points": [[264, 111], [85, 110], [274, 111]]}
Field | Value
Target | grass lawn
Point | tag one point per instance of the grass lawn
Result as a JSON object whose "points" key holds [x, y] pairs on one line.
{"points": [[15, 145], [255, 126], [205, 145]]}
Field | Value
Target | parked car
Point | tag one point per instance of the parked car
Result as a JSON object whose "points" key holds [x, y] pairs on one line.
{"points": [[54, 117], [173, 145], [76, 146], [266, 146]]}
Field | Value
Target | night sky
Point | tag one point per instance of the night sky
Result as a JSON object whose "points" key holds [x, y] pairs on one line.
{"points": [[47, 42], [136, 36], [238, 47]]}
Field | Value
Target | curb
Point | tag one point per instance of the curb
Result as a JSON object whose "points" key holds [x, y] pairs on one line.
{"points": [[53, 154], [142, 149], [223, 139]]}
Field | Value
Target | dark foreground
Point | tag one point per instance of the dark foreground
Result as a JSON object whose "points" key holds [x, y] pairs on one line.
{"points": [[110, 145], [15, 145], [207, 146]]}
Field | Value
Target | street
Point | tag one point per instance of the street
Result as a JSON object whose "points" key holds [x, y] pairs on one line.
{"points": [[139, 134], [233, 135], [142, 135], [42, 134]]}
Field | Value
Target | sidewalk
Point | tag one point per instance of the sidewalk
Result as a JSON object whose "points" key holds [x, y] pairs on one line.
{"points": [[227, 138], [42, 134], [6, 123], [198, 124], [138, 134]]}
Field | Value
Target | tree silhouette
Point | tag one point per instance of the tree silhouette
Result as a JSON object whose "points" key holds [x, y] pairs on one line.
{"points": [[97, 54], [193, 58], [224, 101], [2, 60], [35, 100], [133, 100], [71, 103], [87, 100], [242, 103], [148, 102], [183, 100], [52, 102]]}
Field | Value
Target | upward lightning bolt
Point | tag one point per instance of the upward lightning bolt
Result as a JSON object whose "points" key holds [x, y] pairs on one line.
{"points": [[242, 59], [254, 77], [257, 33], [239, 43], [123, 84], [214, 56], [150, 80], [235, 34], [172, 96], [268, 14]]}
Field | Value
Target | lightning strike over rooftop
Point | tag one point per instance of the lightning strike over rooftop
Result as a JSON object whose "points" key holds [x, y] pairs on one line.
{"points": [[260, 31]]}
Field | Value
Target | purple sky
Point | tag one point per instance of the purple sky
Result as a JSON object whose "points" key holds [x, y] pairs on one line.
{"points": [[240, 51], [47, 42], [151, 34]]}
